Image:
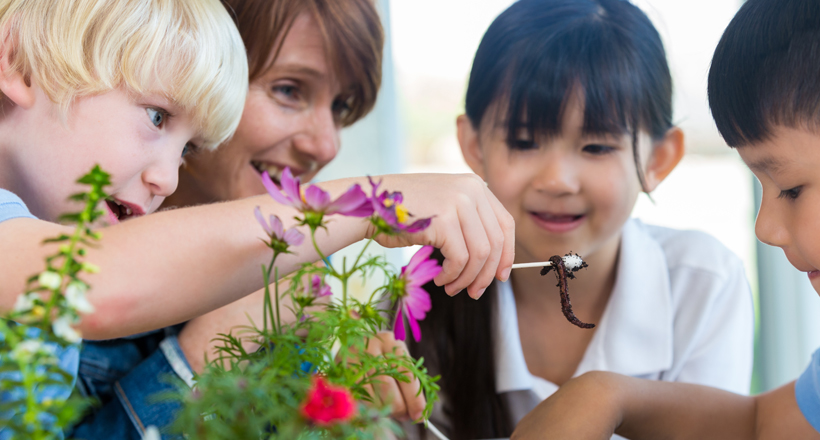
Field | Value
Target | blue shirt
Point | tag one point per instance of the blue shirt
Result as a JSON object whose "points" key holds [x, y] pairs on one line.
{"points": [[807, 392], [12, 207]]}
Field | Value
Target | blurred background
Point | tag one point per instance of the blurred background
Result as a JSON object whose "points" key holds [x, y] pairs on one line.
{"points": [[428, 56]]}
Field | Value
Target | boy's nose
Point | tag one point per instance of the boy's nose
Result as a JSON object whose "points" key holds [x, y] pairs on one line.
{"points": [[769, 226], [557, 176], [163, 177], [319, 139]]}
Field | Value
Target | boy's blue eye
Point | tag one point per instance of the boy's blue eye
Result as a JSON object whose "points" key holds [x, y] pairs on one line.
{"points": [[598, 150], [188, 149], [790, 194], [157, 116]]}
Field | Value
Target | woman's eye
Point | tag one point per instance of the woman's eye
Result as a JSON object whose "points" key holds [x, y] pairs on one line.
{"points": [[790, 194], [341, 108], [597, 149], [156, 115], [289, 91]]}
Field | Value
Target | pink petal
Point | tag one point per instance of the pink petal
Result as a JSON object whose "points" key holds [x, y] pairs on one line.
{"points": [[414, 326], [291, 186], [418, 225], [317, 198], [261, 219], [277, 227], [419, 257], [423, 273], [293, 237], [353, 202], [398, 325], [418, 302], [275, 192]]}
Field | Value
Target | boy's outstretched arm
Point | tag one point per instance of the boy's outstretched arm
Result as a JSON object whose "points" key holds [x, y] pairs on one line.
{"points": [[169, 267], [598, 404]]}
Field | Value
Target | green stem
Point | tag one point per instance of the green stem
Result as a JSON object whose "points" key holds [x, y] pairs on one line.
{"points": [[321, 255], [276, 290], [356, 263]]}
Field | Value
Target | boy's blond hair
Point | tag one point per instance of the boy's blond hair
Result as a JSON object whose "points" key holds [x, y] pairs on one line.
{"points": [[188, 51]]}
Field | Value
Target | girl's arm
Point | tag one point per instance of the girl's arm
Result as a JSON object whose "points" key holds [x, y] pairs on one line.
{"points": [[596, 405], [169, 267]]}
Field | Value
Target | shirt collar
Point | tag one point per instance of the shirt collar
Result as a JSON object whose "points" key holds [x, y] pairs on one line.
{"points": [[634, 336]]}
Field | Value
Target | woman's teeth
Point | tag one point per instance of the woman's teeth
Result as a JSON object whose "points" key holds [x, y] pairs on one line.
{"points": [[274, 171]]}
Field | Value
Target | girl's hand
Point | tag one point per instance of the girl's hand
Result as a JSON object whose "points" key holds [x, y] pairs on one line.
{"points": [[404, 397], [585, 408], [475, 233]]}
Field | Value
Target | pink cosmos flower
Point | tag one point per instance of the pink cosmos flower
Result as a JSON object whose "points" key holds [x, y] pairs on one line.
{"points": [[327, 404], [280, 239], [318, 288], [413, 300], [315, 200], [391, 215]]}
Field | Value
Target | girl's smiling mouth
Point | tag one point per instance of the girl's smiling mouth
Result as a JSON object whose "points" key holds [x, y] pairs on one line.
{"points": [[558, 223]]}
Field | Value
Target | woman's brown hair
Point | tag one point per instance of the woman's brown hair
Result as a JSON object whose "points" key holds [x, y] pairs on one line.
{"points": [[351, 30]]}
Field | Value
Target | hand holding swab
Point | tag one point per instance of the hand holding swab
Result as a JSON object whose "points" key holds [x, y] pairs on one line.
{"points": [[435, 431]]}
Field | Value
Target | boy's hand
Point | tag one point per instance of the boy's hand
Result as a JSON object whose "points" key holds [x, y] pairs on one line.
{"points": [[585, 408], [475, 233], [404, 397]]}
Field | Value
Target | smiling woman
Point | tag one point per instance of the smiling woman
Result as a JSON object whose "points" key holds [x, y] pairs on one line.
{"points": [[315, 67]]}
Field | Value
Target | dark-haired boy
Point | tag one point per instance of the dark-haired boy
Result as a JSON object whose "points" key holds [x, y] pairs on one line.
{"points": [[764, 91]]}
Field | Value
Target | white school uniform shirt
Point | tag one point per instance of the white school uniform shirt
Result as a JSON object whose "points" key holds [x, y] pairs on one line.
{"points": [[681, 310]]}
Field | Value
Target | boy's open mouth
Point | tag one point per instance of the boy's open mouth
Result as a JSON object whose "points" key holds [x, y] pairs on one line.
{"points": [[275, 171], [557, 218], [121, 211]]}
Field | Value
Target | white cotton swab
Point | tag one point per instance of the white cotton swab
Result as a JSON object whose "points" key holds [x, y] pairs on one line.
{"points": [[571, 261], [435, 431]]}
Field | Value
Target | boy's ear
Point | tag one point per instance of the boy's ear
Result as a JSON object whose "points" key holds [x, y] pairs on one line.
{"points": [[470, 148], [666, 154], [13, 84]]}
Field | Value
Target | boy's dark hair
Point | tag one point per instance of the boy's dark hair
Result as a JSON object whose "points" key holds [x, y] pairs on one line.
{"points": [[765, 70], [532, 57]]}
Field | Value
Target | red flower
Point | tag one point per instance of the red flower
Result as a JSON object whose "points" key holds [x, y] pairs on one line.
{"points": [[327, 404]]}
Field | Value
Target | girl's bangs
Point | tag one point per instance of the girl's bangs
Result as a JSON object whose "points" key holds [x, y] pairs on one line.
{"points": [[584, 60]]}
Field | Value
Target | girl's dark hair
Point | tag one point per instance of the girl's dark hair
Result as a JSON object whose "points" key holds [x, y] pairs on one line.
{"points": [[532, 57], [764, 71], [538, 52]]}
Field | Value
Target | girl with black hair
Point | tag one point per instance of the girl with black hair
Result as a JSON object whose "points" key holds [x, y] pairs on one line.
{"points": [[568, 118]]}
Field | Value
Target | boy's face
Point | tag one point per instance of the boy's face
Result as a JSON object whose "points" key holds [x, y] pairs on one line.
{"points": [[788, 167], [138, 139]]}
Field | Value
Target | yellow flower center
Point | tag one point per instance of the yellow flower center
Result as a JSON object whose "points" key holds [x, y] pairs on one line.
{"points": [[401, 213]]}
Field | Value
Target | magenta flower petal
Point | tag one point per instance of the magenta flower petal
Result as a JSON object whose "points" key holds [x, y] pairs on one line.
{"points": [[293, 237], [261, 219], [291, 186], [276, 193], [414, 325], [276, 226], [418, 303], [398, 326], [419, 257], [418, 225], [317, 199], [353, 202]]}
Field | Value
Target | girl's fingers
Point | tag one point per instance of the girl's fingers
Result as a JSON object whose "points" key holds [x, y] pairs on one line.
{"points": [[495, 238], [478, 248], [454, 249], [507, 225]]}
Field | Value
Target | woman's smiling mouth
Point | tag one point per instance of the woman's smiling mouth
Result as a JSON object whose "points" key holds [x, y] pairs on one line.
{"points": [[557, 223]]}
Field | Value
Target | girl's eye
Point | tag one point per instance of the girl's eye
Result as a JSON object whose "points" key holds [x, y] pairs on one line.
{"points": [[597, 149], [157, 116], [524, 144], [790, 194]]}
